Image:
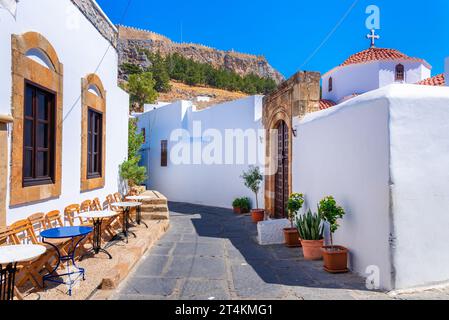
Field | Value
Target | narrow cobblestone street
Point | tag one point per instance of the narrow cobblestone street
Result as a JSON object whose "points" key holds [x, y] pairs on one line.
{"points": [[210, 253]]}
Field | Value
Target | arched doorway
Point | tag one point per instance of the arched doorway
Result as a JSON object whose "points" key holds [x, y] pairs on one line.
{"points": [[282, 173]]}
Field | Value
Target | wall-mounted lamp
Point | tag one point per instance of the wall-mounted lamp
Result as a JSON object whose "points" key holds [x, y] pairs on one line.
{"points": [[295, 131]]}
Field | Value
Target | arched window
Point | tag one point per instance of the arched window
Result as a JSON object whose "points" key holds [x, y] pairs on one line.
{"points": [[93, 128], [330, 85], [37, 128], [399, 73]]}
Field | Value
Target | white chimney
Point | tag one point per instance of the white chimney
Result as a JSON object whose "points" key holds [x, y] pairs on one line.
{"points": [[446, 71]]}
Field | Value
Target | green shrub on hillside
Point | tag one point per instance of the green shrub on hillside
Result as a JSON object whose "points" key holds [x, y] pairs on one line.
{"points": [[176, 67]]}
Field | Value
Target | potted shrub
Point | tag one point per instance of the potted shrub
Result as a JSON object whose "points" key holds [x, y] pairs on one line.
{"points": [[310, 228], [335, 257], [291, 234], [253, 179], [241, 205]]}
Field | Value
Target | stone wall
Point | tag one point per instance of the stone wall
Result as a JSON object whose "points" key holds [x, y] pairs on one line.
{"points": [[132, 41], [93, 13]]}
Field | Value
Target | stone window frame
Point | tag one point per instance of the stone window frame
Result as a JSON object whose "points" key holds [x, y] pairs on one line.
{"points": [[90, 100], [26, 69]]}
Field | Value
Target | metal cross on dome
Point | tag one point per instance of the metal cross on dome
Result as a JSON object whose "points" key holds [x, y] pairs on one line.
{"points": [[373, 36]]}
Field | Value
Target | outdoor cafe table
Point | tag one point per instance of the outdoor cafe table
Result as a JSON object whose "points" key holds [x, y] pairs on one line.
{"points": [[77, 235], [139, 208], [97, 217], [9, 257], [126, 208]]}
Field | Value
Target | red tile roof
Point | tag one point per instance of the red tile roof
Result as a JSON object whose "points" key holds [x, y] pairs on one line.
{"points": [[326, 104], [438, 80], [378, 54]]}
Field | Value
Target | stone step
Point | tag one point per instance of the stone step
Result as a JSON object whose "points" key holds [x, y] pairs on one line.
{"points": [[155, 215], [155, 202], [155, 197], [154, 208]]}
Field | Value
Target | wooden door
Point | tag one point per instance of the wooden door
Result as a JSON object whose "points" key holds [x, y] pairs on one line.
{"points": [[281, 179]]}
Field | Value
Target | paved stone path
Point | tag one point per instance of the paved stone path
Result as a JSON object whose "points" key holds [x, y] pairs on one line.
{"points": [[210, 253]]}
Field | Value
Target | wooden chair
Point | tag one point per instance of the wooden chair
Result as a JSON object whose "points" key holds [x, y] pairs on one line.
{"points": [[21, 232], [4, 240], [39, 223], [71, 213], [110, 199], [53, 219], [4, 235], [96, 205]]}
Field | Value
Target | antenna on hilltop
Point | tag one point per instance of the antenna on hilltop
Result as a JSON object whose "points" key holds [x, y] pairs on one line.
{"points": [[182, 41]]}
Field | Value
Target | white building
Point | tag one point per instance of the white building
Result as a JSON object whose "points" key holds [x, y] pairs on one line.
{"points": [[384, 156], [207, 175], [59, 69], [372, 69]]}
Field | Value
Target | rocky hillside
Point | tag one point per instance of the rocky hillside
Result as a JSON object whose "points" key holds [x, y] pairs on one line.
{"points": [[132, 41], [181, 91]]}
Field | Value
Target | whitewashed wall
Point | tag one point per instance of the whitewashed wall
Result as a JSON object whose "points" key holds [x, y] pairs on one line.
{"points": [[385, 157], [419, 129], [343, 152], [365, 77], [351, 79], [80, 48], [216, 184]]}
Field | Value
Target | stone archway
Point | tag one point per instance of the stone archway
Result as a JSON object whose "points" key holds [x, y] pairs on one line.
{"points": [[294, 98]]}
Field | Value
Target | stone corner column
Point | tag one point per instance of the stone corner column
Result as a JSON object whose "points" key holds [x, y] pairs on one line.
{"points": [[4, 120]]}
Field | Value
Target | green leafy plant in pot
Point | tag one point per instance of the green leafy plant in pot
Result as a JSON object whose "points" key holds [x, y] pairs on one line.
{"points": [[294, 204], [311, 229], [335, 257], [253, 179], [241, 205], [130, 170]]}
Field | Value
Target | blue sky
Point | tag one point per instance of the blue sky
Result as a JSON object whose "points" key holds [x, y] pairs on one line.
{"points": [[288, 32]]}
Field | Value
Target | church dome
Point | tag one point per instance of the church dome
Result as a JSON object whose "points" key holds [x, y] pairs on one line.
{"points": [[379, 54]]}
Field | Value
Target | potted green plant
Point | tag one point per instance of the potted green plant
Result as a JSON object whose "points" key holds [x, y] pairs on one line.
{"points": [[253, 179], [335, 257], [241, 205], [129, 170], [291, 235], [311, 229]]}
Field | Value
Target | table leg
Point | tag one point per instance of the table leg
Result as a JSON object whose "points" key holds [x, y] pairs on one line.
{"points": [[139, 217], [96, 248], [69, 257], [7, 281], [126, 224]]}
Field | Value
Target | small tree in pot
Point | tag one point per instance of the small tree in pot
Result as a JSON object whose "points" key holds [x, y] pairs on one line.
{"points": [[129, 170], [311, 229], [335, 257], [253, 179], [295, 203]]}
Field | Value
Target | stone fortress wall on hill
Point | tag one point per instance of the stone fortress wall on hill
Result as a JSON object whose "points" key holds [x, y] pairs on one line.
{"points": [[132, 41]]}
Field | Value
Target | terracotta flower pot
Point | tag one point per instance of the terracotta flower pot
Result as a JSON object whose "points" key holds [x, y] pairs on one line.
{"points": [[335, 259], [292, 237], [312, 249], [257, 215], [237, 210]]}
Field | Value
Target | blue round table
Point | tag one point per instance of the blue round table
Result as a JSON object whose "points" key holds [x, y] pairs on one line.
{"points": [[77, 235]]}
